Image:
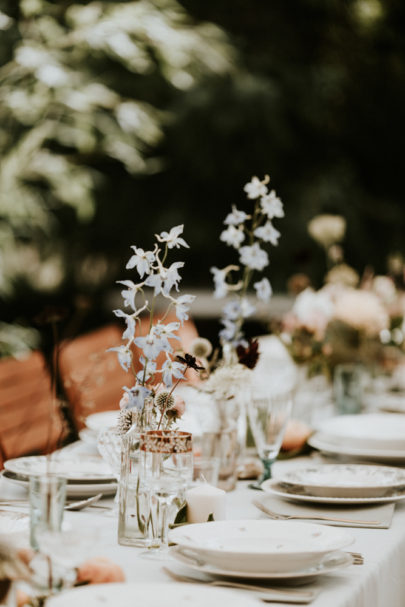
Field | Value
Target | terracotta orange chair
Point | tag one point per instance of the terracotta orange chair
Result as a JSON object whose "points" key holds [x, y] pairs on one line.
{"points": [[92, 377], [27, 408]]}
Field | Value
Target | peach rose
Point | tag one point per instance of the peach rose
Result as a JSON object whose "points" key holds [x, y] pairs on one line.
{"points": [[99, 570]]}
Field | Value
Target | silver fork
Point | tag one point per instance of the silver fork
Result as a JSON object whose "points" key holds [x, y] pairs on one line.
{"points": [[317, 517], [264, 593]]}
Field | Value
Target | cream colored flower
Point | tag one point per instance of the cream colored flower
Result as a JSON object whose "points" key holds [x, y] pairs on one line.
{"points": [[227, 381], [343, 275], [361, 310], [327, 229], [200, 348], [384, 287]]}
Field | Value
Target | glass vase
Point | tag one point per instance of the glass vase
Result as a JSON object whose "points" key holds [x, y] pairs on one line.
{"points": [[134, 503], [348, 388]]}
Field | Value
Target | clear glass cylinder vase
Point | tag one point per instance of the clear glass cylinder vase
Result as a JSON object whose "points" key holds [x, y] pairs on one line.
{"points": [[134, 503]]}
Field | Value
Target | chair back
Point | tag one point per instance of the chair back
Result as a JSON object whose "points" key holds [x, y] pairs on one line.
{"points": [[30, 421]]}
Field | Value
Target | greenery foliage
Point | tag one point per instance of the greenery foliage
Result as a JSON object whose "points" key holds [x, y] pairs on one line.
{"points": [[114, 115]]}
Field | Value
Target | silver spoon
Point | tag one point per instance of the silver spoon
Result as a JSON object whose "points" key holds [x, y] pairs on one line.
{"points": [[84, 503]]}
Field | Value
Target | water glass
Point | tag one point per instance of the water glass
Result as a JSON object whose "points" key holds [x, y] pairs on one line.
{"points": [[206, 470], [348, 387], [166, 469], [223, 446], [47, 501], [268, 417]]}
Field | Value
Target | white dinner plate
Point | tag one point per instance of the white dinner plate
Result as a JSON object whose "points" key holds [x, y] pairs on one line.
{"points": [[13, 522], [376, 431], [299, 494], [83, 468], [331, 562], [72, 489], [104, 419], [151, 595], [260, 546], [329, 445], [345, 480]]}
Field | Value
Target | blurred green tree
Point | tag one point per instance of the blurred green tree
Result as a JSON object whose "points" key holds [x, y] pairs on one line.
{"points": [[85, 89]]}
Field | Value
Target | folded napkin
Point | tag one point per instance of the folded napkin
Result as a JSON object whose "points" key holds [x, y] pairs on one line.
{"points": [[381, 512]]}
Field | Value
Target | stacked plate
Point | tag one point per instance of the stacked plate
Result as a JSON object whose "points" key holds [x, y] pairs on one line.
{"points": [[340, 484], [95, 423], [85, 475], [261, 549], [377, 437]]}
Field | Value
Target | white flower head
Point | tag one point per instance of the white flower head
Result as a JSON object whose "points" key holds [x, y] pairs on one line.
{"points": [[136, 396], [236, 218], [124, 356], [182, 306], [256, 188], [227, 381], [149, 369], [171, 369], [271, 205], [141, 260], [130, 292], [172, 238], [233, 236], [263, 289], [221, 287], [254, 257], [268, 233], [152, 345]]}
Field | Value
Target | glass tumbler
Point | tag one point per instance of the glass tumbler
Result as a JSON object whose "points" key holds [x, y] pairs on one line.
{"points": [[47, 501], [166, 469]]}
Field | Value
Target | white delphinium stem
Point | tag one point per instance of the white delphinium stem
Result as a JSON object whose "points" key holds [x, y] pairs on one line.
{"points": [[254, 230]]}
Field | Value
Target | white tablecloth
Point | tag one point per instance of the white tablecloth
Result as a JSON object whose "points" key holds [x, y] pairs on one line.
{"points": [[380, 582]]}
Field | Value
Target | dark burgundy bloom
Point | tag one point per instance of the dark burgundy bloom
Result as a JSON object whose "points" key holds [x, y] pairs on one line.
{"points": [[190, 362], [250, 355]]}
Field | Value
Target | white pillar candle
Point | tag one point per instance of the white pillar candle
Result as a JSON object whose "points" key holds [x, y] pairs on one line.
{"points": [[204, 500]]}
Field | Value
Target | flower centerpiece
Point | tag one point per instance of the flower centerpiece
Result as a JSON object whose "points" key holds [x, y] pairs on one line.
{"points": [[149, 401], [148, 355], [250, 233]]}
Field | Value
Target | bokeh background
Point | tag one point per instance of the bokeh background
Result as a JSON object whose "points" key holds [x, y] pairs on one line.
{"points": [[121, 119]]}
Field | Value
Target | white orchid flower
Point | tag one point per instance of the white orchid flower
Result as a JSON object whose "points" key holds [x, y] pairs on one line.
{"points": [[152, 345], [271, 205], [124, 356], [268, 233], [172, 238], [141, 260], [149, 369], [256, 188], [182, 306], [254, 257], [221, 288], [130, 292], [136, 396], [233, 236], [263, 289], [236, 218], [171, 369], [171, 277]]}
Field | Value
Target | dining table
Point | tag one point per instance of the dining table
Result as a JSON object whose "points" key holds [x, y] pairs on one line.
{"points": [[378, 582]]}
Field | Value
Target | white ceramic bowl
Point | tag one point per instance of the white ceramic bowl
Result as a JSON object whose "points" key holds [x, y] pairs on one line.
{"points": [[261, 546], [368, 431], [345, 480]]}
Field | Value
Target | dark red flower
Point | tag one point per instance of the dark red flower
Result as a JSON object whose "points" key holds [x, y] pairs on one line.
{"points": [[250, 355]]}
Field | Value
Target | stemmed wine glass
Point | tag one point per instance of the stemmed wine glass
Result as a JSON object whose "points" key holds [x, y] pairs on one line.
{"points": [[165, 469], [268, 417]]}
